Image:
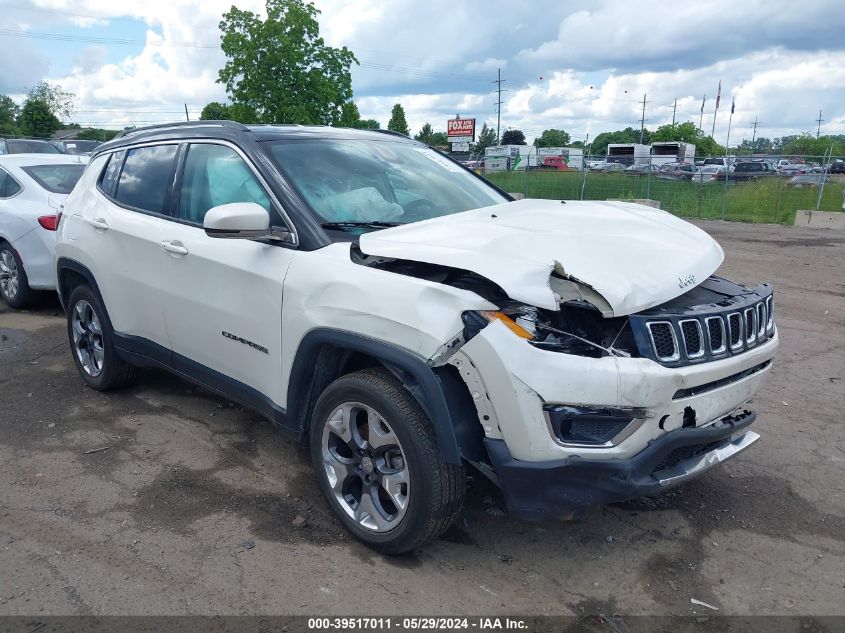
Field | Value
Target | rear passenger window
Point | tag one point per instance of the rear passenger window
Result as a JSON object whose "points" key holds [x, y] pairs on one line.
{"points": [[8, 185], [111, 172], [146, 176], [215, 175]]}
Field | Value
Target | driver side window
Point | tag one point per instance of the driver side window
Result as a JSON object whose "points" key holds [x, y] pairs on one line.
{"points": [[215, 175]]}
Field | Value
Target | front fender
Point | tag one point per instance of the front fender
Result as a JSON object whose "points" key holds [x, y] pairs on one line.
{"points": [[418, 378]]}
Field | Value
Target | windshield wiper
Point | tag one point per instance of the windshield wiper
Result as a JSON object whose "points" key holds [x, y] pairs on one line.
{"points": [[373, 224]]}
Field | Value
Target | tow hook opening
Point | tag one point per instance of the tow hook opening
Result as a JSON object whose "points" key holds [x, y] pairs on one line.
{"points": [[689, 418]]}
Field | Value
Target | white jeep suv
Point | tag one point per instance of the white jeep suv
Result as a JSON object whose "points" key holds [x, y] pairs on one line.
{"points": [[407, 319]]}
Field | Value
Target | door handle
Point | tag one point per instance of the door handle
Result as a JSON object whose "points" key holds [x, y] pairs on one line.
{"points": [[175, 248], [98, 223]]}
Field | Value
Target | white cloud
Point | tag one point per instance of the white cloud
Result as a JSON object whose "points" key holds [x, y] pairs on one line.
{"points": [[488, 65], [581, 65]]}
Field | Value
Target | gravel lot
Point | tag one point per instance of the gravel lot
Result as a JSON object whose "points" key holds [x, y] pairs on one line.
{"points": [[163, 499]]}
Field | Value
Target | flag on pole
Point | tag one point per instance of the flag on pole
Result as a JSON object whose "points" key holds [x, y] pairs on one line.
{"points": [[703, 98], [718, 94], [733, 105]]}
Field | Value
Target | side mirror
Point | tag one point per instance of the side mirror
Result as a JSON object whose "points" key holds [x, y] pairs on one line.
{"points": [[237, 220]]}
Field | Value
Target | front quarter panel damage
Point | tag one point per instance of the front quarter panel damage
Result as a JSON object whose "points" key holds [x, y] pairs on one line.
{"points": [[416, 315]]}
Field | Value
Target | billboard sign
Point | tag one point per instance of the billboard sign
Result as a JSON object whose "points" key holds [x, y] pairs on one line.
{"points": [[461, 127], [460, 146]]}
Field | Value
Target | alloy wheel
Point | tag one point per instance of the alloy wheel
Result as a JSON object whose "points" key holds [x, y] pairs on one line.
{"points": [[366, 466], [87, 338], [9, 277]]}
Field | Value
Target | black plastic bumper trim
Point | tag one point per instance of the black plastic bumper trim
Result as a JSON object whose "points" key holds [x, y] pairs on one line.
{"points": [[558, 489]]}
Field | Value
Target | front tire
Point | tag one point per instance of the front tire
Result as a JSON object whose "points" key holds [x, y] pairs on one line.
{"points": [[14, 285], [92, 343], [378, 463]]}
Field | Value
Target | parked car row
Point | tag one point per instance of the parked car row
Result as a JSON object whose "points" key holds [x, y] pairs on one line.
{"points": [[32, 190], [605, 166], [45, 146], [397, 313]]}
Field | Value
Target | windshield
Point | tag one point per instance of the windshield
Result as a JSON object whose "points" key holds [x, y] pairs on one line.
{"points": [[25, 146], [55, 178], [360, 182]]}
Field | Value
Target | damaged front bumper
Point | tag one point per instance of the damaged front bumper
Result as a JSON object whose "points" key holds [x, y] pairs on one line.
{"points": [[563, 488]]}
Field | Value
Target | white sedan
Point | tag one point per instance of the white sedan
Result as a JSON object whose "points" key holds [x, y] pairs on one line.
{"points": [[32, 188]]}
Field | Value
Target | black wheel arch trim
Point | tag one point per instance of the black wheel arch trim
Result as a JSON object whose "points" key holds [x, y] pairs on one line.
{"points": [[65, 263], [435, 389]]}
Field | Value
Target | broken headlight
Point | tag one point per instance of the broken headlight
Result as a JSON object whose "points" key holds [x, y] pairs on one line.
{"points": [[574, 329]]}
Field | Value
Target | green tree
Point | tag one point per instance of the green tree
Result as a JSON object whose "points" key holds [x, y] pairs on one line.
{"points": [[397, 121], [36, 119], [683, 132], [439, 139], [761, 145], [687, 133], [280, 68], [96, 134], [9, 111], [552, 138], [706, 146], [368, 124], [486, 138], [215, 111], [61, 103], [425, 134], [349, 115], [808, 145], [243, 113], [628, 135], [513, 137]]}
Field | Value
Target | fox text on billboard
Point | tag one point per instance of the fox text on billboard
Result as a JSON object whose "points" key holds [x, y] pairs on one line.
{"points": [[461, 127]]}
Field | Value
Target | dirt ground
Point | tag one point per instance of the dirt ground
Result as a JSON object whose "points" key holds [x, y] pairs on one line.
{"points": [[163, 499]]}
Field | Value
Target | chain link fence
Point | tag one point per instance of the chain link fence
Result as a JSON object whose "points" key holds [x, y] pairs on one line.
{"points": [[748, 190]]}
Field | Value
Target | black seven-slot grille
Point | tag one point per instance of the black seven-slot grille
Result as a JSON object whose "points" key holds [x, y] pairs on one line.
{"points": [[677, 336]]}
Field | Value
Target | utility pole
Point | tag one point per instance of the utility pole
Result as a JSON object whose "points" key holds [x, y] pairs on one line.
{"points": [[674, 110], [499, 102], [186, 113], [642, 121], [701, 118], [819, 121], [754, 136]]}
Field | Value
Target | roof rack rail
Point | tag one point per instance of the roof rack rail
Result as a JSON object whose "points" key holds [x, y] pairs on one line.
{"points": [[177, 124], [281, 125]]}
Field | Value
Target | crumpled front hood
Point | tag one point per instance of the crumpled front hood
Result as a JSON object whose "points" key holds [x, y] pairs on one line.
{"points": [[634, 256]]}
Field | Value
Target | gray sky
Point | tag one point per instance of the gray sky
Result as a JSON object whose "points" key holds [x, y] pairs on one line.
{"points": [[580, 65]]}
